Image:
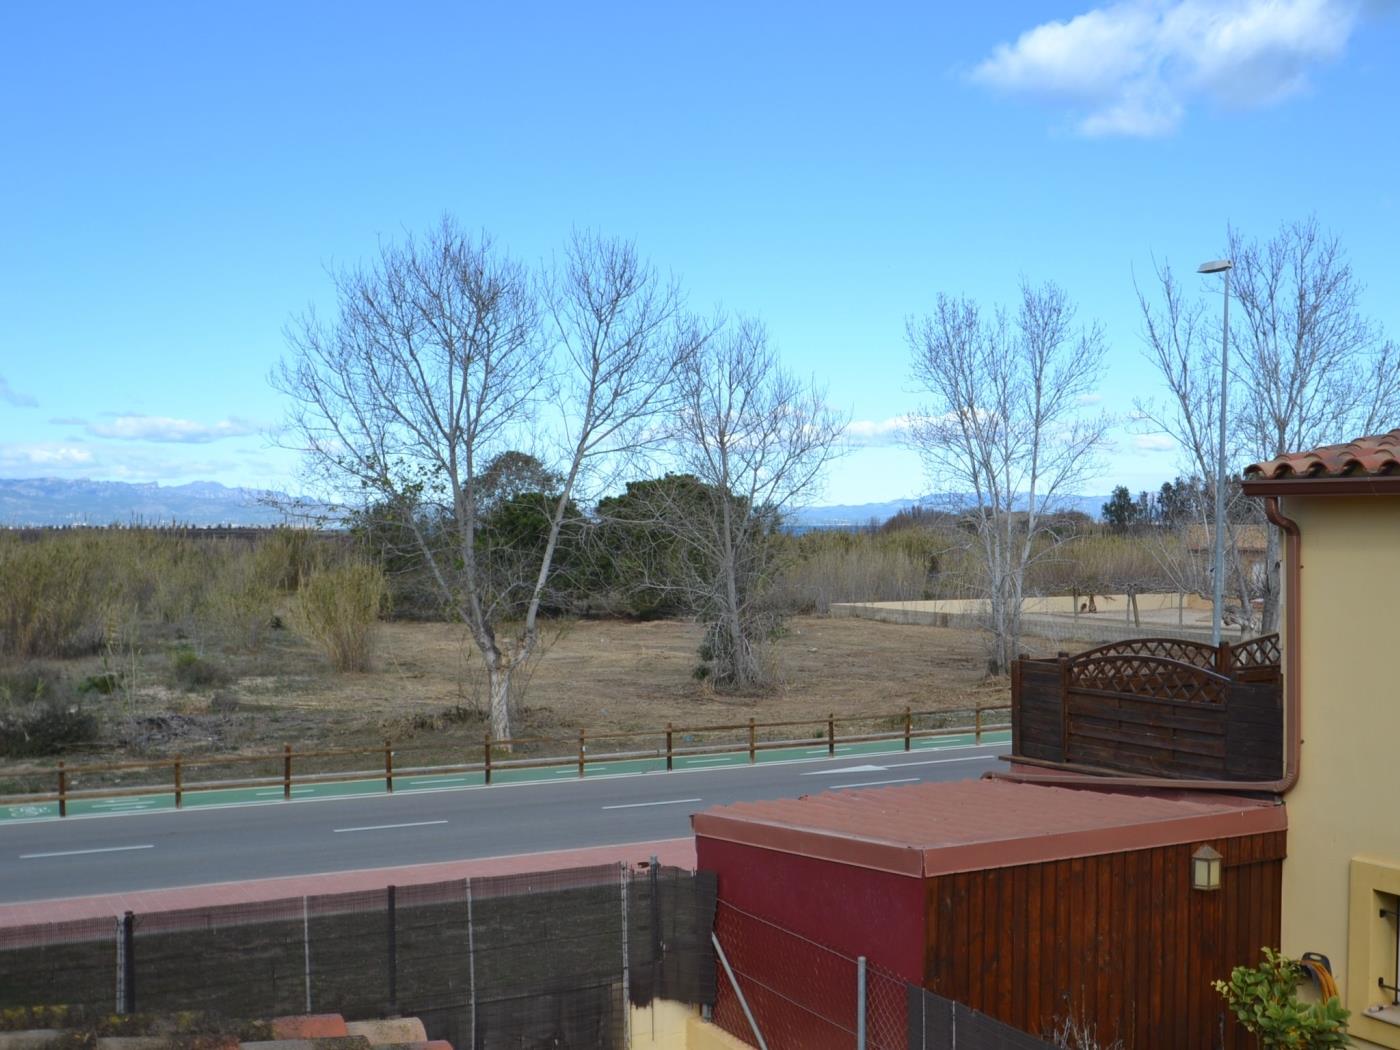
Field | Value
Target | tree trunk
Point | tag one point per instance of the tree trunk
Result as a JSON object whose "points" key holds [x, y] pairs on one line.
{"points": [[499, 676], [1273, 596]]}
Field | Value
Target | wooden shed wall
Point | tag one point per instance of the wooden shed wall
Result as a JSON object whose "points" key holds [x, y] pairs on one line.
{"points": [[1119, 940]]}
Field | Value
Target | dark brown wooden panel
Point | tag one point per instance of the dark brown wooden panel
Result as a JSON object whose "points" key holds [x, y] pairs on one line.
{"points": [[1204, 725], [1120, 941]]}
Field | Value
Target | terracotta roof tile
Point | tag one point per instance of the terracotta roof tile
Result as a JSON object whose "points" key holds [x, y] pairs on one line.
{"points": [[1371, 456], [936, 828]]}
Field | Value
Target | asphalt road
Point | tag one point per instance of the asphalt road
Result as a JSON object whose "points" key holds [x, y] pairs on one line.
{"points": [[49, 859]]}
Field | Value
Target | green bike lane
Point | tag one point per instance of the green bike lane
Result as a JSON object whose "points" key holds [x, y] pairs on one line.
{"points": [[428, 780]]}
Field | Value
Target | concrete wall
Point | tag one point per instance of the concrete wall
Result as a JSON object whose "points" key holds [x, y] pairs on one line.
{"points": [[1053, 617], [1344, 804]]}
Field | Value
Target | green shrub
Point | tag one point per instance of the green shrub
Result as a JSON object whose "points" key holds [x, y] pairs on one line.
{"points": [[337, 608], [191, 671], [40, 714], [106, 683], [29, 684], [1265, 999]]}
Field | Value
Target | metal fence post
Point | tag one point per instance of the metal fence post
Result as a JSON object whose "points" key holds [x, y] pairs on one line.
{"points": [[388, 767], [486, 744], [286, 771], [120, 940], [306, 948], [831, 734], [62, 790], [860, 1003], [393, 928], [670, 754], [626, 975], [471, 954], [908, 727], [126, 968], [738, 992]]}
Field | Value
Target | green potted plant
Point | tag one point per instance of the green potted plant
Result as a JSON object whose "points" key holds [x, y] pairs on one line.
{"points": [[1265, 999]]}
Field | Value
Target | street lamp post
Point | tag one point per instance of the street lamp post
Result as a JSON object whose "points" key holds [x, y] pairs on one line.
{"points": [[1218, 593]]}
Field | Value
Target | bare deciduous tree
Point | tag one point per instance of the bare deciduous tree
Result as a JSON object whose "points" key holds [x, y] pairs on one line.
{"points": [[443, 355], [1006, 431], [1307, 366], [1312, 367], [757, 440]]}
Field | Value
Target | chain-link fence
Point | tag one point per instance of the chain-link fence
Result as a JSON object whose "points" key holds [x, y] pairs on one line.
{"points": [[805, 996], [543, 960]]}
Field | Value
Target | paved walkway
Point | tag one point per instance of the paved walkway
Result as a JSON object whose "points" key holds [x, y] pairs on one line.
{"points": [[679, 852]]}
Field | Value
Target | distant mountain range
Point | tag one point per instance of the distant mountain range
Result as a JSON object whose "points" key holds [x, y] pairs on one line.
{"points": [[847, 516], [55, 501]]}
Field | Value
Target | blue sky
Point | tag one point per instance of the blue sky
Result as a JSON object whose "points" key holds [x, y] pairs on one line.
{"points": [[176, 180]]}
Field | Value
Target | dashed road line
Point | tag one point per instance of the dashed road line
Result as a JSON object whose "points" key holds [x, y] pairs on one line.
{"points": [[875, 783], [80, 852], [665, 802], [387, 827]]}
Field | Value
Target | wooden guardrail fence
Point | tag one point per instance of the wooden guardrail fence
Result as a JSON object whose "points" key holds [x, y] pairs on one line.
{"points": [[64, 775]]}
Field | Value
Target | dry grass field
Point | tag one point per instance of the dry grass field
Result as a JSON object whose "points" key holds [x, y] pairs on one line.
{"points": [[426, 688]]}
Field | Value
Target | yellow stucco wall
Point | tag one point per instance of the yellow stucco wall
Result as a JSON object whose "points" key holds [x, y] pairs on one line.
{"points": [[665, 1025], [1344, 804]]}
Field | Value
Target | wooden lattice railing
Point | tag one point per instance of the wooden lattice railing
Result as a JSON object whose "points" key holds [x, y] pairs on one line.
{"points": [[1159, 706]]}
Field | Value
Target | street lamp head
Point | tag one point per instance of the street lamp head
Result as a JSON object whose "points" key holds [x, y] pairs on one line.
{"points": [[1215, 266]]}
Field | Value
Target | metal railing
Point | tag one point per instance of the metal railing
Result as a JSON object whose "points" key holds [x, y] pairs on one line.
{"points": [[579, 755]]}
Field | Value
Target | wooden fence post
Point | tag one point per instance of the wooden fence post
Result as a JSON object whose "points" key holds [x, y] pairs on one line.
{"points": [[177, 782], [670, 755], [908, 726], [286, 771], [752, 756], [1225, 659], [831, 733], [582, 747], [977, 725], [388, 767], [486, 750], [62, 790]]}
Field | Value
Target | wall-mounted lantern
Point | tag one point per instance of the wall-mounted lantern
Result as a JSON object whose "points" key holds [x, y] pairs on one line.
{"points": [[1205, 869]]}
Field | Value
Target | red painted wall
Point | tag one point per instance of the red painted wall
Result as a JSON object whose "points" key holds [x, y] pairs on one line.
{"points": [[857, 911]]}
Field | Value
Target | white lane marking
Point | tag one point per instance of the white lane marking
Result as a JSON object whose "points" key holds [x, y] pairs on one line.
{"points": [[667, 802], [386, 827], [279, 791], [823, 751], [78, 852], [874, 783], [766, 765], [439, 780], [940, 762], [846, 769], [718, 758]]}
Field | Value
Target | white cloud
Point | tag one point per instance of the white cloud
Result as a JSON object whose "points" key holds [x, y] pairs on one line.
{"points": [[45, 454], [1088, 399], [871, 432], [11, 396], [1154, 443], [1133, 68], [164, 428]]}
